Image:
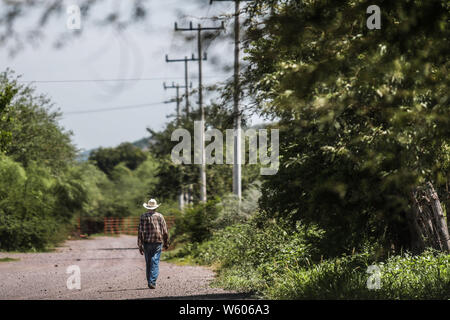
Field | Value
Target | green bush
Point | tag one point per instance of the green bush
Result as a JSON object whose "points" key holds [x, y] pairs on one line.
{"points": [[122, 193], [426, 276], [232, 211], [246, 243], [224, 247], [196, 224], [107, 159], [37, 207], [250, 254], [279, 262], [42, 188], [31, 233], [32, 127]]}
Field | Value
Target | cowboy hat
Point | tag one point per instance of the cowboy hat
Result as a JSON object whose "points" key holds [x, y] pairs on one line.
{"points": [[151, 204]]}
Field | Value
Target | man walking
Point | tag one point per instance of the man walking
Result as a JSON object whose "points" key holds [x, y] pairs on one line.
{"points": [[152, 236]]}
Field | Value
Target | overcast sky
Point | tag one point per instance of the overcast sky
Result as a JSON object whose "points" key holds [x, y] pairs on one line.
{"points": [[138, 52]]}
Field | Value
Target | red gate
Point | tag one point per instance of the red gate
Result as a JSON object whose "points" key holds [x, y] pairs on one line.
{"points": [[128, 225]]}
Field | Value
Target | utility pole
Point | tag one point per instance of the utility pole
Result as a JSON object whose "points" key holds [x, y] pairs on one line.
{"points": [[181, 195], [178, 99], [199, 29], [237, 173], [185, 60]]}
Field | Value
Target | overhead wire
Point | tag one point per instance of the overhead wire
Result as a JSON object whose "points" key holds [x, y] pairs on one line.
{"points": [[114, 108], [120, 80], [106, 80]]}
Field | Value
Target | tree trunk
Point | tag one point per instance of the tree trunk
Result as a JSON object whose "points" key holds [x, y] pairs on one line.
{"points": [[427, 223]]}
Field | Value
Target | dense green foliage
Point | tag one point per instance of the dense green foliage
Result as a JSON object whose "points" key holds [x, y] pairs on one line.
{"points": [[126, 190], [36, 207], [198, 223], [39, 192], [426, 276], [367, 112], [218, 176], [7, 92], [275, 264], [43, 189], [364, 117], [32, 127], [106, 159]]}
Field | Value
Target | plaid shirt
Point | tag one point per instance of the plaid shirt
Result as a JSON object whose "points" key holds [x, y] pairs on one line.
{"points": [[153, 229]]}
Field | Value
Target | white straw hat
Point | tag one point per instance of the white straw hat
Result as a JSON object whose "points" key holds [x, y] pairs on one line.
{"points": [[151, 204]]}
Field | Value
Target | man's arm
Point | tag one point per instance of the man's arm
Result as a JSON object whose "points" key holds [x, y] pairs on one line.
{"points": [[165, 232], [139, 239]]}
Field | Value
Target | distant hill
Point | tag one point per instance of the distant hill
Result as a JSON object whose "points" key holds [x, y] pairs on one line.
{"points": [[84, 155], [143, 143]]}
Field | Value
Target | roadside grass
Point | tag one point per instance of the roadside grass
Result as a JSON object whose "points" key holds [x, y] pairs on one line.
{"points": [[187, 261], [7, 259], [98, 235], [178, 256], [283, 269], [49, 248], [425, 276], [402, 277]]}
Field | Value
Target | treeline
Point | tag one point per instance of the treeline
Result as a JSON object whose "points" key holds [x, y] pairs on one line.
{"points": [[364, 120], [173, 177], [43, 189]]}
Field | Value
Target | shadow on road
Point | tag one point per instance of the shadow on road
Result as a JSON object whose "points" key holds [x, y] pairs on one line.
{"points": [[213, 296], [117, 248], [119, 290]]}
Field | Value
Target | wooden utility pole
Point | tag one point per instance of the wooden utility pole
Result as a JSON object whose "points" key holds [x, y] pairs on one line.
{"points": [[177, 99], [185, 60], [199, 30], [181, 195], [237, 165]]}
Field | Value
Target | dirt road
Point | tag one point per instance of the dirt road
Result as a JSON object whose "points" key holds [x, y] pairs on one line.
{"points": [[111, 268]]}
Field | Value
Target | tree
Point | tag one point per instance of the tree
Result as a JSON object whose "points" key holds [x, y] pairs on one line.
{"points": [[364, 113], [7, 92], [107, 158], [13, 12], [30, 123], [218, 176], [428, 221]]}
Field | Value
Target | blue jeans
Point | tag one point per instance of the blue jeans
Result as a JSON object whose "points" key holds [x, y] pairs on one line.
{"points": [[152, 253]]}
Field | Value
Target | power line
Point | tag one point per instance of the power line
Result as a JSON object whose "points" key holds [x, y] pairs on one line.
{"points": [[186, 60], [199, 30], [115, 108], [111, 80], [178, 99]]}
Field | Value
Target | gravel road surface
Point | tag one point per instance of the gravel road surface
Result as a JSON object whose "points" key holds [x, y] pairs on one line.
{"points": [[111, 268]]}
